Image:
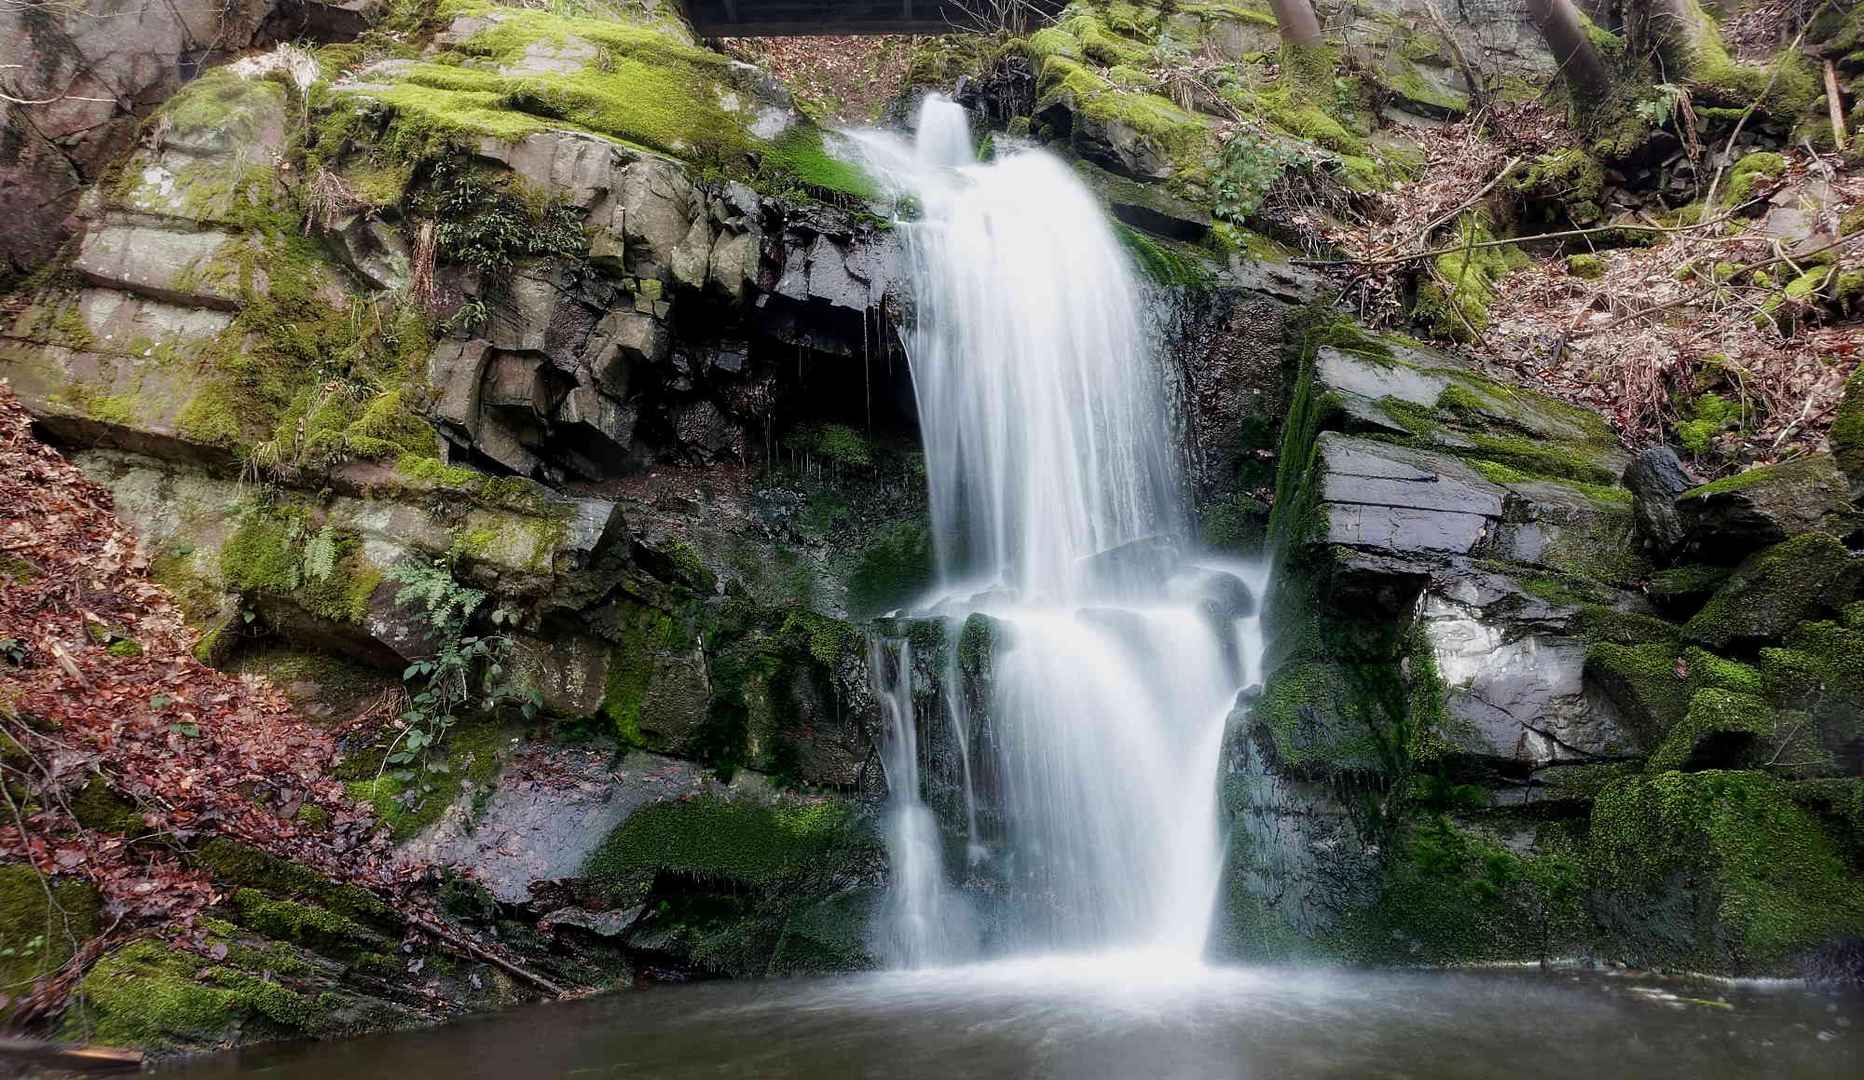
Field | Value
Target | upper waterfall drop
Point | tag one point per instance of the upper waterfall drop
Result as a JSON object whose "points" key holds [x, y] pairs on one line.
{"points": [[1043, 413], [1057, 505]]}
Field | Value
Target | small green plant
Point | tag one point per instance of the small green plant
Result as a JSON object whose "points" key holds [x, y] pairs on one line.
{"points": [[467, 673], [1246, 170], [1657, 109], [472, 314], [483, 223]]}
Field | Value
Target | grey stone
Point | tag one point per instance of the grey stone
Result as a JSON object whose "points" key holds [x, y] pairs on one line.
{"points": [[1656, 477], [1725, 521], [194, 269], [373, 250]]}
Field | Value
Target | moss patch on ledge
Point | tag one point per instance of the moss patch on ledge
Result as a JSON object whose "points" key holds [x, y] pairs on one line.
{"points": [[633, 78]]}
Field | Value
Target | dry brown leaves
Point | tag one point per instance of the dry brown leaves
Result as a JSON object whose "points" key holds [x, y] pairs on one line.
{"points": [[1459, 162], [197, 752], [1758, 30], [1585, 341], [847, 78]]}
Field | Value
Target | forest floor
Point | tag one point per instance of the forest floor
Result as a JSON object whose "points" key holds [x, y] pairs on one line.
{"points": [[117, 747]]}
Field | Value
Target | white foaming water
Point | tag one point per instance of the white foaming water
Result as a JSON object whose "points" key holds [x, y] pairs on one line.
{"points": [[924, 920], [1055, 489]]}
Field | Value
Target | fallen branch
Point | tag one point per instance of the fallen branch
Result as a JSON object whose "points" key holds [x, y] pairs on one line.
{"points": [[465, 944], [1451, 213], [1835, 103]]}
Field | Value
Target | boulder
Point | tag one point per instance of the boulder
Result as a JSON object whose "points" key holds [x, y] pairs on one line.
{"points": [[1848, 434], [1729, 519], [1656, 477], [1777, 589]]}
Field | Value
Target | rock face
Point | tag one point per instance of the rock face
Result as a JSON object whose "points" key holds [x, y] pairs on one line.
{"points": [[1471, 708], [91, 75]]}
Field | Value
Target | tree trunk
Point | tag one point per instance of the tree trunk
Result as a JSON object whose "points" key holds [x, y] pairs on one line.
{"points": [[1564, 31], [1299, 26], [1671, 33]]}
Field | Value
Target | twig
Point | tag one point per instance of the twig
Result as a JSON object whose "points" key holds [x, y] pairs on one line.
{"points": [[465, 944], [1438, 221], [1561, 235], [1835, 103]]}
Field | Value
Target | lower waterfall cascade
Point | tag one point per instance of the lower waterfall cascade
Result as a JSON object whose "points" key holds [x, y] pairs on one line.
{"points": [[1058, 510]]}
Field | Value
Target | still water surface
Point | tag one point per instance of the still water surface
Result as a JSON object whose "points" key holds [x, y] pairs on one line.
{"points": [[1104, 1018]]}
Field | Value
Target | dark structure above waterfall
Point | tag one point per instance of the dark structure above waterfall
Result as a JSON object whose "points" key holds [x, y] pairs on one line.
{"points": [[805, 18]]}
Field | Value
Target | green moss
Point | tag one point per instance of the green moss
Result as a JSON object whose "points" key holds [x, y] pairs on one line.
{"points": [[1567, 184], [896, 566], [43, 922], [1711, 414], [1587, 267], [1453, 895], [1455, 302], [239, 865], [1750, 170], [1162, 261], [316, 928], [641, 634], [124, 647], [276, 553], [711, 839], [149, 995], [1179, 135], [410, 801], [1776, 590], [1718, 730], [1847, 433], [1717, 871]]}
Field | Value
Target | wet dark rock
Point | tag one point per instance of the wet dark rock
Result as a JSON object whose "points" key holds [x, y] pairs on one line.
{"points": [[1656, 477], [1217, 593], [1136, 568]]}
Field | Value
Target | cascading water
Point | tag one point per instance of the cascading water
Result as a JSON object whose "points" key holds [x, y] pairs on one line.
{"points": [[1057, 505]]}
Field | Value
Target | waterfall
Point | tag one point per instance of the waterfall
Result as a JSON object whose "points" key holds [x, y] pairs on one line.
{"points": [[1057, 505]]}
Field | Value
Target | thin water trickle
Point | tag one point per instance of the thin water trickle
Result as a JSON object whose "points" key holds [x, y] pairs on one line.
{"points": [[1057, 505]]}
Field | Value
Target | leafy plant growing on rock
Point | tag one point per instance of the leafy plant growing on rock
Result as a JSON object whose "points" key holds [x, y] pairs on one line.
{"points": [[467, 673], [1247, 169], [485, 224]]}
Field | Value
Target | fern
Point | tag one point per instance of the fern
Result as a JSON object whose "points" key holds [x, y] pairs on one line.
{"points": [[467, 673], [320, 554]]}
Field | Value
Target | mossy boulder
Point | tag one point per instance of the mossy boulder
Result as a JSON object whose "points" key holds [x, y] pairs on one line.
{"points": [[1719, 730], [724, 883], [1717, 871], [1777, 589], [1727, 519], [1847, 435]]}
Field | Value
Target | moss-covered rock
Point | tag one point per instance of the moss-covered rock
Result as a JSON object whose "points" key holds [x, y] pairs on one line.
{"points": [[43, 923], [739, 887], [1717, 871], [149, 995], [1776, 590], [1718, 731], [1727, 519], [1847, 434]]}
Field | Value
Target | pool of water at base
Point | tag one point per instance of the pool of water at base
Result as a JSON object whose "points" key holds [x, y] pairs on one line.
{"points": [[1124, 1017]]}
